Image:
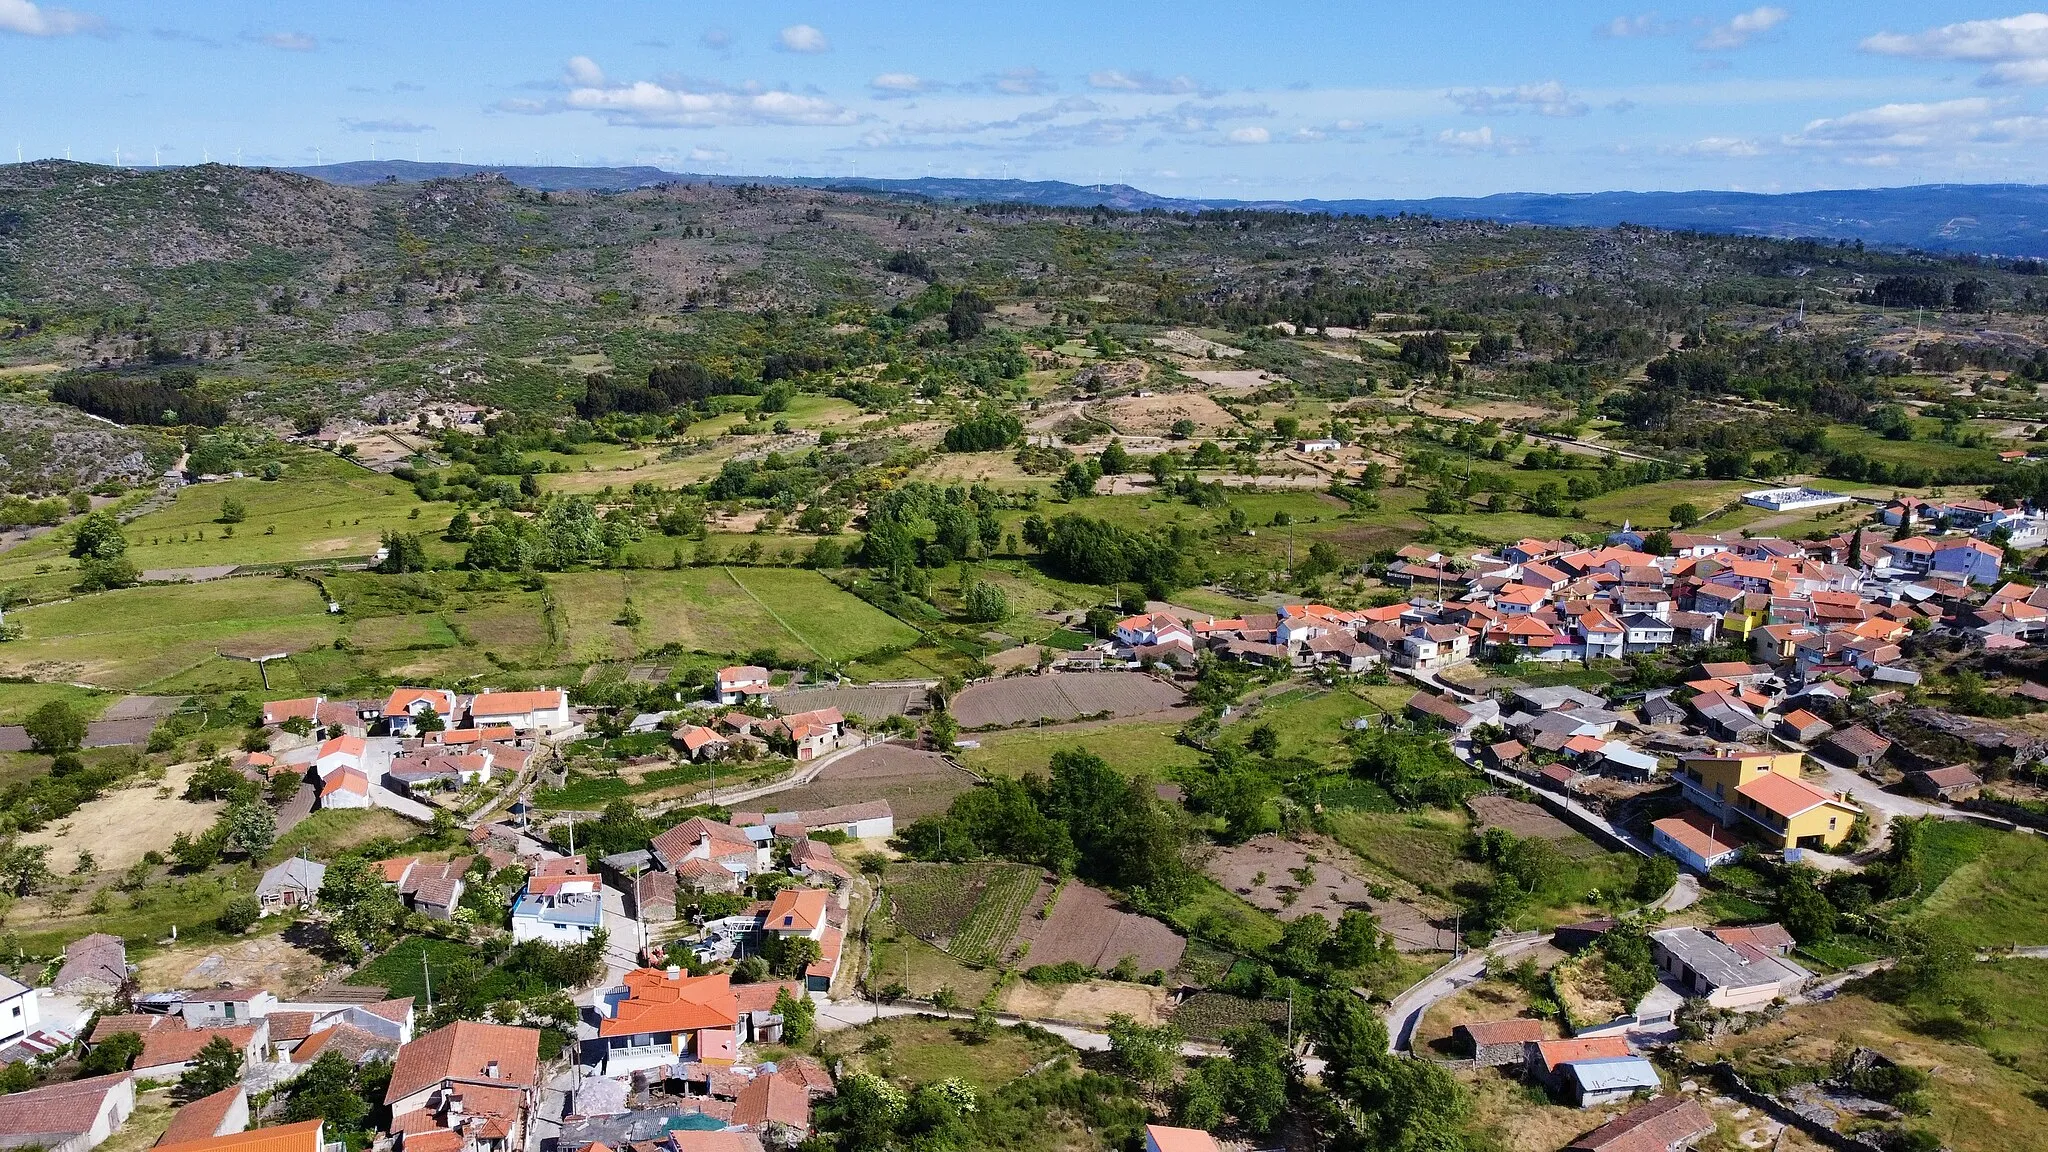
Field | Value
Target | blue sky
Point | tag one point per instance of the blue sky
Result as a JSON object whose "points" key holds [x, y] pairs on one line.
{"points": [[1276, 99]]}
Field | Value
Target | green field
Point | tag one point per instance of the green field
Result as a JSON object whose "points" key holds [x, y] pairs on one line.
{"points": [[796, 612], [324, 508], [1994, 890], [1648, 506], [17, 700], [1427, 849], [168, 636], [1137, 749], [923, 1050]]}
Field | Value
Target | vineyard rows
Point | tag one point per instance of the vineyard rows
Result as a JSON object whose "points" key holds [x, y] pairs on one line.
{"points": [[985, 937]]}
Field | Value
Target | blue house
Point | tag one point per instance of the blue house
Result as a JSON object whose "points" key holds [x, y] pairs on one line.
{"points": [[1968, 561]]}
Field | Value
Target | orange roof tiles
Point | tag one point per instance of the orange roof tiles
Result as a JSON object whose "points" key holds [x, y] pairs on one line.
{"points": [[797, 910], [464, 1051], [1784, 795], [201, 1119], [516, 703], [773, 1099], [301, 1137], [657, 1002]]}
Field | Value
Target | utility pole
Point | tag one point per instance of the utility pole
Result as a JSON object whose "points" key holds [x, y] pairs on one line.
{"points": [[428, 976]]}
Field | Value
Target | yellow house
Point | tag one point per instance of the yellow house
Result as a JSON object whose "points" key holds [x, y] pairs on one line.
{"points": [[1787, 812], [1712, 781]]}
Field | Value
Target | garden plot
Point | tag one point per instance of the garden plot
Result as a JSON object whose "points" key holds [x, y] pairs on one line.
{"points": [[867, 702], [1061, 696], [915, 783], [1277, 875], [1524, 820], [1085, 926], [968, 910]]}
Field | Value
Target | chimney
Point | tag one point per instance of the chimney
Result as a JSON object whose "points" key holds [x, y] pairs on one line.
{"points": [[491, 1070], [675, 972]]}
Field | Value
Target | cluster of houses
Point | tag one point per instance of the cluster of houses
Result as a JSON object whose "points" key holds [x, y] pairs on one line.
{"points": [[667, 1067], [416, 740], [1790, 602]]}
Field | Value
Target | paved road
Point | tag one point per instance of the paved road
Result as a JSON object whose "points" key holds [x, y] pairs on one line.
{"points": [[1683, 894], [1406, 1010], [1890, 805]]}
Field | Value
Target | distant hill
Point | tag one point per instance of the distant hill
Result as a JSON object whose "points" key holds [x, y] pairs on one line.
{"points": [[2000, 219]]}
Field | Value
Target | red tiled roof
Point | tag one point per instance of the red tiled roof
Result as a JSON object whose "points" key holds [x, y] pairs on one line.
{"points": [[301, 1137], [179, 1045], [463, 1051], [516, 703], [1551, 1053], [797, 910], [1698, 834], [773, 1099], [655, 1002], [1784, 795], [55, 1113], [202, 1118], [1488, 1032], [1661, 1125]]}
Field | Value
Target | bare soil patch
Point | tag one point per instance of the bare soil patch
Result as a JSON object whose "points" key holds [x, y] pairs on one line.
{"points": [[1155, 415], [1275, 874], [268, 961], [1087, 927], [1232, 379], [1089, 1002], [915, 783], [1524, 819], [1062, 696], [121, 826], [870, 703]]}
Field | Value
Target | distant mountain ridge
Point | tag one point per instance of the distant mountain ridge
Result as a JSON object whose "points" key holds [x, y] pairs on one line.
{"points": [[1990, 219]]}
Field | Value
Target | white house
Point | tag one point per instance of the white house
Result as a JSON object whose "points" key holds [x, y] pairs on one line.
{"points": [[19, 1013], [1322, 445], [544, 711], [69, 1116], [405, 706], [740, 681], [338, 753], [346, 788], [562, 913], [1694, 840], [216, 1007], [1152, 629]]}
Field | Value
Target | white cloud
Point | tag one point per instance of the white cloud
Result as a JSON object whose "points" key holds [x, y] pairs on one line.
{"points": [[1549, 98], [1252, 135], [716, 39], [27, 19], [709, 155], [1726, 147], [584, 72], [1481, 139], [1024, 81], [647, 104], [897, 84], [290, 41], [802, 38], [1638, 27], [1742, 29], [1117, 80], [2016, 47], [1903, 127]]}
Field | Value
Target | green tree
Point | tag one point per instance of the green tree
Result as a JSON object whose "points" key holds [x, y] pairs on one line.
{"points": [[364, 912], [217, 1068], [1357, 941], [799, 1016], [1805, 911], [248, 828], [112, 1054], [985, 603], [1115, 459], [1145, 1055], [239, 915], [1685, 515], [788, 956], [333, 1089], [233, 511], [97, 536], [403, 552], [55, 727], [25, 867]]}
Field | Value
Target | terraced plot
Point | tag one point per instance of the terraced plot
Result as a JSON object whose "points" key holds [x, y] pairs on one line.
{"points": [[1061, 696]]}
